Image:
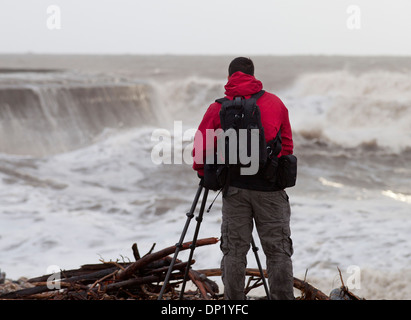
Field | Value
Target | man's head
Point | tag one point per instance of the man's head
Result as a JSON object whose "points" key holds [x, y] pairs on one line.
{"points": [[242, 64]]}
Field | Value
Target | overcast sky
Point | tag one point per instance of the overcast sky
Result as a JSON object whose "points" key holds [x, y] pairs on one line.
{"points": [[207, 27]]}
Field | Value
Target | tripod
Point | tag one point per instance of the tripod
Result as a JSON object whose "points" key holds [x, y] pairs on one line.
{"points": [[199, 219]]}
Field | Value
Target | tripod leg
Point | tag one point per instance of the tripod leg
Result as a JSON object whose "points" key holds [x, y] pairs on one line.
{"points": [[190, 215], [255, 249], [193, 244]]}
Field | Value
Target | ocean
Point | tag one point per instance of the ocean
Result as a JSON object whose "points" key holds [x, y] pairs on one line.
{"points": [[78, 180]]}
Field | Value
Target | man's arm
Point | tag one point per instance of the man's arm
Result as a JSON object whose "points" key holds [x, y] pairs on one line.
{"points": [[211, 120]]}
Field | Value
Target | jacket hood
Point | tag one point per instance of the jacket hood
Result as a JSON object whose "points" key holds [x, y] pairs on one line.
{"points": [[241, 84]]}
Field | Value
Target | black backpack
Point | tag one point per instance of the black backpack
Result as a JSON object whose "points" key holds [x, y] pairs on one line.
{"points": [[241, 113], [235, 115]]}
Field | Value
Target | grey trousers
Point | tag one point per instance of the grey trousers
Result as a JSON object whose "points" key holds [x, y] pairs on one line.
{"points": [[271, 213]]}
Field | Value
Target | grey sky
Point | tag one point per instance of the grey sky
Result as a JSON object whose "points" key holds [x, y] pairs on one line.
{"points": [[206, 27]]}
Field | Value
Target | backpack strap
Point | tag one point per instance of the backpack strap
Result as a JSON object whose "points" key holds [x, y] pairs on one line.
{"points": [[221, 100], [258, 95], [274, 146]]}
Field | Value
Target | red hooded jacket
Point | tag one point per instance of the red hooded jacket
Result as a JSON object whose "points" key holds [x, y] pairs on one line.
{"points": [[274, 115]]}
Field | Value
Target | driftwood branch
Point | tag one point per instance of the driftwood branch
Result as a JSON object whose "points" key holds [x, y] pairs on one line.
{"points": [[131, 269], [143, 279], [97, 281]]}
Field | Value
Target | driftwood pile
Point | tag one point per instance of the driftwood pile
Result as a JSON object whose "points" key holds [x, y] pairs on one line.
{"points": [[141, 280]]}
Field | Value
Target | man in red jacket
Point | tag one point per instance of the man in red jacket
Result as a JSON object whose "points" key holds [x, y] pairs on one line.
{"points": [[251, 198]]}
